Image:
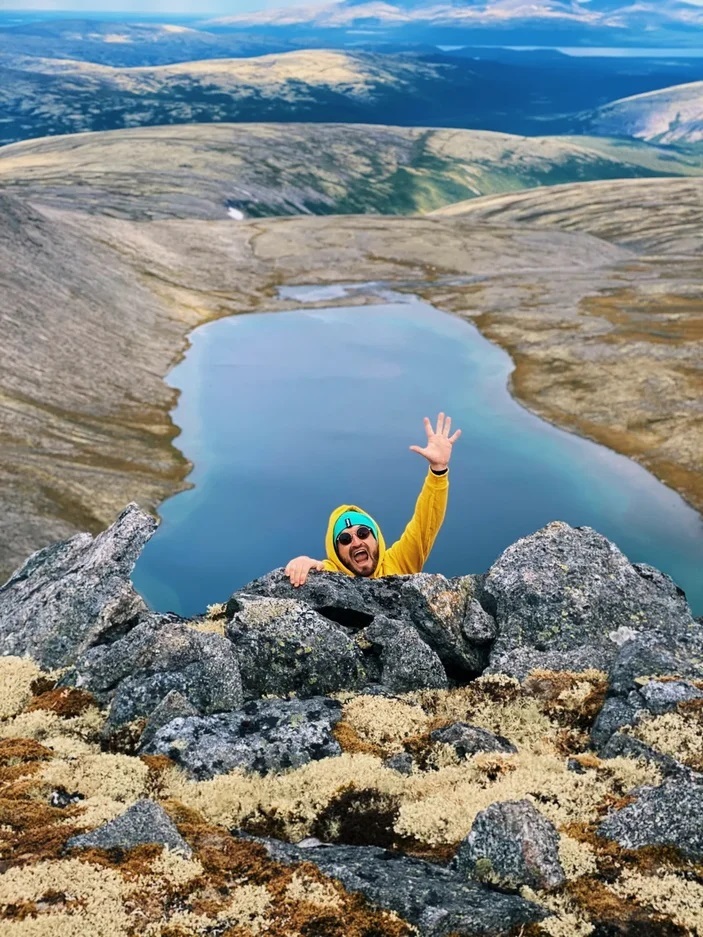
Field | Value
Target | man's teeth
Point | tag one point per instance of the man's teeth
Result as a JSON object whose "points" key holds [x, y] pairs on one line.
{"points": [[360, 554]]}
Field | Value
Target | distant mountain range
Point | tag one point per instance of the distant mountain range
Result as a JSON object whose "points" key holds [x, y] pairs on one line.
{"points": [[562, 22], [671, 115], [509, 92], [127, 43]]}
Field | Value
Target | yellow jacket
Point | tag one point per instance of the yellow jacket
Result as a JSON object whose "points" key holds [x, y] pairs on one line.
{"points": [[409, 553]]}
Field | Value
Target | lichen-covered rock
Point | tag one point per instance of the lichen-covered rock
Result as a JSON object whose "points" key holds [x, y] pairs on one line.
{"points": [[565, 589], [615, 713], [264, 736], [622, 745], [350, 601], [656, 655], [449, 617], [173, 706], [144, 822], [404, 661], [468, 740], [633, 689], [668, 815], [510, 845], [285, 647], [437, 900], [156, 657], [664, 696], [447, 613], [75, 593]]}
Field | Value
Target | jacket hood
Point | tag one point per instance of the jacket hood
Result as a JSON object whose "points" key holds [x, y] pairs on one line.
{"points": [[329, 542]]}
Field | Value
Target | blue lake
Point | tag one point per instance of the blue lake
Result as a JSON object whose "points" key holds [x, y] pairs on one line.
{"points": [[286, 415]]}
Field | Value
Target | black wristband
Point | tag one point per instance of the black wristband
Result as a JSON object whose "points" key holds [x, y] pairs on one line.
{"points": [[441, 472]]}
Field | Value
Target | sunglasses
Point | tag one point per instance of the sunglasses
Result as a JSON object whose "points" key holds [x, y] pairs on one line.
{"points": [[362, 532]]}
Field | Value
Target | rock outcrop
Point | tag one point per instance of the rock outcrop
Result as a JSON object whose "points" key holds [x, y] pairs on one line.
{"points": [[76, 593], [261, 690], [511, 844]]}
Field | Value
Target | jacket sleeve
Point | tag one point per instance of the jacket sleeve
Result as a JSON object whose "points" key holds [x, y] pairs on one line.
{"points": [[409, 553]]}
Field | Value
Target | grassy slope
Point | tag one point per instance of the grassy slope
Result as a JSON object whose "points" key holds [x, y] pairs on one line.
{"points": [[197, 171]]}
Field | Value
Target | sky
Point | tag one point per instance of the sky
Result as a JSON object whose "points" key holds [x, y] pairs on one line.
{"points": [[155, 7]]}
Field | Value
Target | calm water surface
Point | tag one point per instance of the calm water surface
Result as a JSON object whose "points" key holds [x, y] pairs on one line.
{"points": [[286, 415]]}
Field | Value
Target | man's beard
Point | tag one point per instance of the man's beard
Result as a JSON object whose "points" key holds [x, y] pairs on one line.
{"points": [[369, 563]]}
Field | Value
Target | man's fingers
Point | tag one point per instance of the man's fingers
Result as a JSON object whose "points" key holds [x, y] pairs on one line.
{"points": [[447, 426], [428, 426], [456, 435]]}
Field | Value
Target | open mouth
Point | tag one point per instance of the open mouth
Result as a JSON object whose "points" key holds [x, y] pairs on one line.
{"points": [[360, 556]]}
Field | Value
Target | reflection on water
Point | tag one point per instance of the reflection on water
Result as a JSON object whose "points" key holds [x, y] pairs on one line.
{"points": [[286, 416]]}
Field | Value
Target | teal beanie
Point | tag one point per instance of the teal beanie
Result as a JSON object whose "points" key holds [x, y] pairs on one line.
{"points": [[351, 519]]}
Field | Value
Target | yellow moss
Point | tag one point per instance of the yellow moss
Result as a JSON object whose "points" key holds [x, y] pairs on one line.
{"points": [[295, 798], [676, 734], [173, 868], [92, 900], [384, 722], [16, 677], [64, 746], [567, 919], [183, 923], [248, 907], [668, 894], [440, 807], [304, 888], [117, 777], [576, 858], [95, 811], [214, 620], [42, 725]]}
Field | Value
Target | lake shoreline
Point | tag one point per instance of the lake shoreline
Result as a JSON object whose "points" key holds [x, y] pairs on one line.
{"points": [[162, 266]]}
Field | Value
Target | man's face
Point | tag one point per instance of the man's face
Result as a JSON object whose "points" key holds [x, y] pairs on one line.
{"points": [[360, 556]]}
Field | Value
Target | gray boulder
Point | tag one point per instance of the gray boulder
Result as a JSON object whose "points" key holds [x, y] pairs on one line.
{"points": [[143, 822], [447, 613], [75, 594], [351, 602], [264, 736], [468, 740], [285, 647], [436, 900], [511, 844], [449, 617], [622, 745], [570, 590], [173, 706], [158, 656], [403, 661], [616, 713], [664, 696], [652, 655], [668, 815], [657, 655]]}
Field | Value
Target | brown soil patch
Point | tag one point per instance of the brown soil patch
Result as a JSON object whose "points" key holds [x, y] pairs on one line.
{"points": [[64, 701]]}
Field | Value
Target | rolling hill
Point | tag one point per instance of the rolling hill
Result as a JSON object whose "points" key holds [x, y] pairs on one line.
{"points": [[603, 323], [209, 170], [532, 94], [669, 116]]}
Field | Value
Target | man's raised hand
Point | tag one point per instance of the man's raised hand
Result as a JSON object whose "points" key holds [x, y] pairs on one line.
{"points": [[438, 450]]}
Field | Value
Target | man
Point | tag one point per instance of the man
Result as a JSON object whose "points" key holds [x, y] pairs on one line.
{"points": [[354, 542]]}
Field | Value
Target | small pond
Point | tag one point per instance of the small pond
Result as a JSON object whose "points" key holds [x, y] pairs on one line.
{"points": [[287, 415]]}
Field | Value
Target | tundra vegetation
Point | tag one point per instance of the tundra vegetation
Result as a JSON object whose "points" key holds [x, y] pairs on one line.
{"points": [[551, 786]]}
